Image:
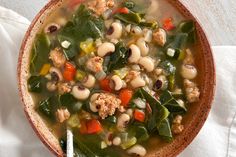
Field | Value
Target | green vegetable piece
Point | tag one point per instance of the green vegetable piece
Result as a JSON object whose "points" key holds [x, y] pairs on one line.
{"points": [[48, 107], [111, 119], [152, 25], [35, 84], [40, 52], [130, 18], [129, 143], [70, 102], [171, 83], [74, 121], [168, 67], [129, 4], [141, 133], [84, 149], [164, 130], [189, 28], [119, 58], [159, 112], [170, 103], [63, 144], [83, 26], [178, 41]]}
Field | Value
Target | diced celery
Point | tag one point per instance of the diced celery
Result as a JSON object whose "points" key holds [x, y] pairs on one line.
{"points": [[87, 46], [80, 75], [74, 121], [121, 72], [130, 142]]}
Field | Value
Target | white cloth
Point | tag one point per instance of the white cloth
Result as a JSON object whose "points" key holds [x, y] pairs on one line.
{"points": [[216, 139]]}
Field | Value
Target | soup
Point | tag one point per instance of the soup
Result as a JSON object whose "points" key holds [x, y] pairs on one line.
{"points": [[120, 74]]}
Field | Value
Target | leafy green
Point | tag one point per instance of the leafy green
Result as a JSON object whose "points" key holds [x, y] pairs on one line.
{"points": [[164, 130], [137, 5], [119, 58], [70, 102], [130, 18], [168, 67], [177, 41], [35, 84], [159, 112], [170, 103], [171, 83], [152, 25], [129, 4], [83, 149], [141, 133], [48, 107], [188, 27], [83, 26], [40, 52]]}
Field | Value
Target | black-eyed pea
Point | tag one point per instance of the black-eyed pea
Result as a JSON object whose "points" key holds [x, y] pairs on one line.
{"points": [[147, 63], [137, 150], [105, 48], [80, 92], [115, 31], [143, 46], [135, 53]]}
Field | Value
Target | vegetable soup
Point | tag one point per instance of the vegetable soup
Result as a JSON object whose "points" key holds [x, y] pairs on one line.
{"points": [[120, 74]]}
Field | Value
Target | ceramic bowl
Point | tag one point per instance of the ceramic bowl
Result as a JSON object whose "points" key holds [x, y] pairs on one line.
{"points": [[197, 114]]}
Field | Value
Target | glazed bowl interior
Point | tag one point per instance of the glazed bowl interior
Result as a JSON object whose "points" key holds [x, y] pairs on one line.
{"points": [[196, 117]]}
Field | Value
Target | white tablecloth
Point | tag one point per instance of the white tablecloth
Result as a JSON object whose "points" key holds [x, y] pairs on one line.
{"points": [[17, 139]]}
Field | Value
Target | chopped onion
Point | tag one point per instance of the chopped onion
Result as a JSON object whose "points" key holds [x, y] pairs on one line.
{"points": [[140, 103]]}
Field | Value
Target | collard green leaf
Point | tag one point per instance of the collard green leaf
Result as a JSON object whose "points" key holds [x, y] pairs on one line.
{"points": [[168, 67], [119, 58], [188, 27], [130, 18], [35, 84], [159, 112], [70, 102], [40, 52], [177, 41], [164, 130], [48, 107], [171, 104], [83, 26]]}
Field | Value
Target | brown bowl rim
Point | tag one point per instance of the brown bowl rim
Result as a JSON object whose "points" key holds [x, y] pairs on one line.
{"points": [[187, 140]]}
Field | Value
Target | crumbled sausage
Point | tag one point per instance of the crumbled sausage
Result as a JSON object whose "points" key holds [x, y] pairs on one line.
{"points": [[188, 57], [178, 119], [131, 75], [159, 36], [177, 128], [106, 104], [192, 91], [57, 58], [100, 6], [95, 64], [64, 88], [62, 115]]}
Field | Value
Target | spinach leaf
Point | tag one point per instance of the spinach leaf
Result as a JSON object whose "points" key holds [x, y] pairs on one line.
{"points": [[177, 41], [48, 107], [84, 25], [130, 18], [164, 130], [188, 27], [83, 149], [119, 58], [168, 67], [40, 52], [137, 5], [70, 102], [35, 84], [159, 112], [141, 133], [170, 103]]}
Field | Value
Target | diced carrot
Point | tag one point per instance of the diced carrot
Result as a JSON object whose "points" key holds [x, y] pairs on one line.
{"points": [[123, 10], [69, 71], [83, 127], [70, 67], [93, 126], [168, 24], [125, 96], [139, 115], [105, 85], [68, 75]]}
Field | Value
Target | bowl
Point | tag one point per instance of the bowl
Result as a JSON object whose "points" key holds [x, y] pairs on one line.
{"points": [[197, 114]]}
